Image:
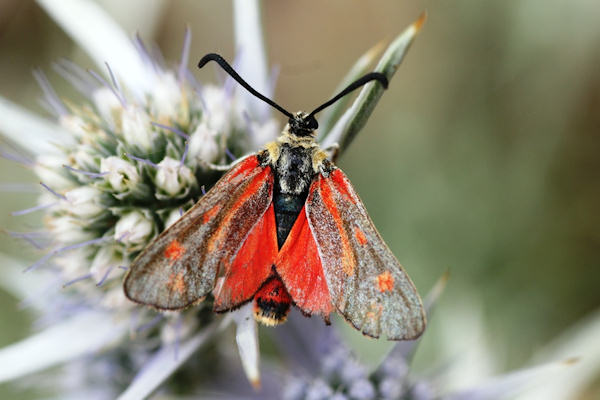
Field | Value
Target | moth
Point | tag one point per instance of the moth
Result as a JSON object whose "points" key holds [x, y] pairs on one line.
{"points": [[282, 227]]}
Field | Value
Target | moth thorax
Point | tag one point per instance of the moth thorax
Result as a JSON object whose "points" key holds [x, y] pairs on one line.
{"points": [[272, 302]]}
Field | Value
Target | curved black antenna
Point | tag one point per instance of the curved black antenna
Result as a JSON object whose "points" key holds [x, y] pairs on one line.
{"points": [[372, 76], [300, 124], [219, 60]]}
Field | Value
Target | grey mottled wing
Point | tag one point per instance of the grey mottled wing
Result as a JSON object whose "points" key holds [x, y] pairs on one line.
{"points": [[367, 284], [181, 265]]}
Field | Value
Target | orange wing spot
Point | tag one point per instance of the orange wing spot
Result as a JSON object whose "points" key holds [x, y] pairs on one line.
{"points": [[360, 235], [176, 282], [210, 213], [174, 251], [385, 281]]}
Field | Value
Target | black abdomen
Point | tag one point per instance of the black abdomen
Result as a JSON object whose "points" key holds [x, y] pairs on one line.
{"points": [[287, 207]]}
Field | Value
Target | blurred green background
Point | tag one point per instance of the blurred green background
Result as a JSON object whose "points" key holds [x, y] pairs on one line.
{"points": [[481, 158]]}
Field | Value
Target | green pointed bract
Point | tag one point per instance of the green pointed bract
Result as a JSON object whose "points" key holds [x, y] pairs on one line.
{"points": [[346, 128], [360, 68]]}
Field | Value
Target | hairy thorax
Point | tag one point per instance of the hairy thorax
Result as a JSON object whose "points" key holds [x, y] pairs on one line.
{"points": [[294, 170]]}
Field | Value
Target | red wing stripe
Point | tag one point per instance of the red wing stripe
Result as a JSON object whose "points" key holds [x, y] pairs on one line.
{"points": [[348, 262], [300, 269], [216, 241], [243, 169]]}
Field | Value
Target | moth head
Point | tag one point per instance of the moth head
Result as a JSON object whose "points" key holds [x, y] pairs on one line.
{"points": [[302, 124]]}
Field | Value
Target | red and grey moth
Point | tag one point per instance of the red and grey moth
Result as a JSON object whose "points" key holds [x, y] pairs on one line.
{"points": [[283, 227]]}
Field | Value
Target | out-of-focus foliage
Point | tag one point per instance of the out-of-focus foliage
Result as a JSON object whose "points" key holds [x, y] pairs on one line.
{"points": [[482, 157]]}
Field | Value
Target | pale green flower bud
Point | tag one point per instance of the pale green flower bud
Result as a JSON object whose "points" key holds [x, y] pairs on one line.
{"points": [[85, 158], [136, 128], [84, 202], [135, 229], [203, 144], [121, 175], [67, 229], [173, 179], [172, 217], [105, 259]]}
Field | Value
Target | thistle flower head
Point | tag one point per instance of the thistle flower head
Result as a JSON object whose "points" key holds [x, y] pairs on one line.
{"points": [[136, 164]]}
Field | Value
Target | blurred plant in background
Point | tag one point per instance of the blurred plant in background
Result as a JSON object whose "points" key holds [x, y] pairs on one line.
{"points": [[122, 165]]}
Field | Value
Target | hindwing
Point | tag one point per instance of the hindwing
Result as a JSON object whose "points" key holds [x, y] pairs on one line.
{"points": [[251, 266], [299, 266]]}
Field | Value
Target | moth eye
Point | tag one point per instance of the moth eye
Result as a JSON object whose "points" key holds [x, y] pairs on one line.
{"points": [[385, 281]]}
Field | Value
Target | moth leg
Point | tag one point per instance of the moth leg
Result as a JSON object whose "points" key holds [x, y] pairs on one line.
{"points": [[334, 151], [216, 167], [223, 167]]}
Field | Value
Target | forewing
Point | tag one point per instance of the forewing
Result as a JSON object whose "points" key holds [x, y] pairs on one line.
{"points": [[299, 266], [180, 266], [368, 286]]}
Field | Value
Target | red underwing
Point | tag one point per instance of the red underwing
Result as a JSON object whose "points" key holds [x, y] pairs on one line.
{"points": [[282, 227]]}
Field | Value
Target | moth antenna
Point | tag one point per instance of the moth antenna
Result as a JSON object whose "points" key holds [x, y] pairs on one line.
{"points": [[371, 76], [308, 122], [229, 69]]}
